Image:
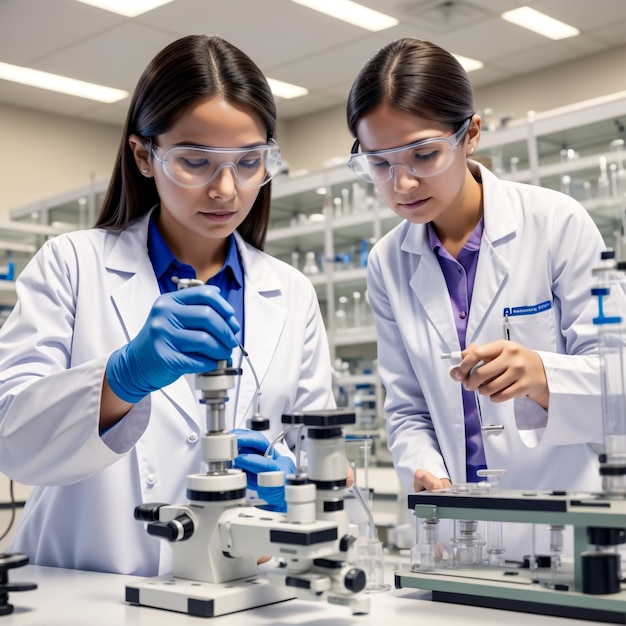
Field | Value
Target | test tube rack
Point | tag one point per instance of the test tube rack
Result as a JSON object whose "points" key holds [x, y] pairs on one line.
{"points": [[523, 589]]}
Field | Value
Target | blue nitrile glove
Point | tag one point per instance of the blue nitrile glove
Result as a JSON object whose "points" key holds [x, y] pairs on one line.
{"points": [[187, 332], [252, 446]]}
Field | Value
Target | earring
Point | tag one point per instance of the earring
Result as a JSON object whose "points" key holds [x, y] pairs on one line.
{"points": [[144, 170]]}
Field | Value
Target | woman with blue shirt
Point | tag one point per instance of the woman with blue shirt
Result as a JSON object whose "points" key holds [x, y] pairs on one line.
{"points": [[96, 406], [494, 271]]}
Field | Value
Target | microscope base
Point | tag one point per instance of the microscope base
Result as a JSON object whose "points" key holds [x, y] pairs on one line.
{"points": [[525, 596], [205, 599]]}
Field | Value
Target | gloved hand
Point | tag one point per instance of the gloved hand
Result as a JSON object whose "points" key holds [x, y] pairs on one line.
{"points": [[252, 447], [187, 332]]}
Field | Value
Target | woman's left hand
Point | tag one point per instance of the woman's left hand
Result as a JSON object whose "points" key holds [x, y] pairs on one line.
{"points": [[503, 370]]}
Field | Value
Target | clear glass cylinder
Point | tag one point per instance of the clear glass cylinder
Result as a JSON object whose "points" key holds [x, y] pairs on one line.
{"points": [[424, 552], [612, 348], [556, 548], [495, 548]]}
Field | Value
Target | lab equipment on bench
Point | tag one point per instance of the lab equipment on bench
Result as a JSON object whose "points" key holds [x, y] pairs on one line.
{"points": [[217, 537], [7, 562], [590, 585], [367, 551]]}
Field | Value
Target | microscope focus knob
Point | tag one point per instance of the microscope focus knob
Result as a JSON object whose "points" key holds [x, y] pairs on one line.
{"points": [[178, 529], [355, 580], [148, 512]]}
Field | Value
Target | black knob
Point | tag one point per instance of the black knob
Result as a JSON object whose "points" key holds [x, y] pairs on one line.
{"points": [[355, 580], [259, 423], [345, 543], [178, 529], [148, 512]]}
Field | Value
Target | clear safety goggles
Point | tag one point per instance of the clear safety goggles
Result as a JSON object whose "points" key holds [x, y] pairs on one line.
{"points": [[195, 166], [427, 157]]}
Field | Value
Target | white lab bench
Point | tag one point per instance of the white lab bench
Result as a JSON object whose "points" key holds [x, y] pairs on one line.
{"points": [[76, 598]]}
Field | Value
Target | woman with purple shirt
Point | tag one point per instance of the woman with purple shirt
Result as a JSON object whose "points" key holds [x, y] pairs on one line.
{"points": [[495, 271]]}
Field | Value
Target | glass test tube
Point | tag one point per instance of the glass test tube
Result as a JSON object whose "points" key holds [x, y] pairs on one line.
{"points": [[556, 548], [494, 547]]}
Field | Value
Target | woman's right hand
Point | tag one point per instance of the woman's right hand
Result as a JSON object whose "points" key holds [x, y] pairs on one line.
{"points": [[423, 479], [187, 332]]}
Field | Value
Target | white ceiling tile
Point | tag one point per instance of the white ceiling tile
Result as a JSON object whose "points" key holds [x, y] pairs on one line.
{"points": [[289, 42], [32, 29]]}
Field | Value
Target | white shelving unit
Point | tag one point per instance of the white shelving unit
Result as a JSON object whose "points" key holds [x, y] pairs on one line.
{"points": [[562, 149], [18, 242]]}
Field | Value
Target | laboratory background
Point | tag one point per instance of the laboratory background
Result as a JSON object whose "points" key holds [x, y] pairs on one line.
{"points": [[553, 110]]}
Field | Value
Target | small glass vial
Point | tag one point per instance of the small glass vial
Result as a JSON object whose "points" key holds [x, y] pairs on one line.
{"points": [[424, 551], [556, 548], [310, 264], [341, 313]]}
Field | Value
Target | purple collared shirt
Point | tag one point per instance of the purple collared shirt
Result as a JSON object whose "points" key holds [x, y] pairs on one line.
{"points": [[460, 274]]}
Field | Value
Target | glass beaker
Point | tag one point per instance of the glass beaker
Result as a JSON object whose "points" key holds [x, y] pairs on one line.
{"points": [[370, 559]]}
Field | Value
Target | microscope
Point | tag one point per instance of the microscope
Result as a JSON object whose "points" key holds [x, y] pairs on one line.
{"points": [[217, 537]]}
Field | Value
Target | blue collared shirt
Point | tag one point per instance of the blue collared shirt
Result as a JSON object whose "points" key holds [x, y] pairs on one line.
{"points": [[229, 279]]}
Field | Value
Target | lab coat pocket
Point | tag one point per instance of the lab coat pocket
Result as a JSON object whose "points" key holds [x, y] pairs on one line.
{"points": [[536, 331]]}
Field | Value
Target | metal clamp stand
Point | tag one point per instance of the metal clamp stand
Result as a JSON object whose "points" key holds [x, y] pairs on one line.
{"points": [[7, 562]]}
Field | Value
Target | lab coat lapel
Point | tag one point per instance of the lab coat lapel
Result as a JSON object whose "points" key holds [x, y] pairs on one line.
{"points": [[429, 285], [492, 269], [264, 322], [134, 291]]}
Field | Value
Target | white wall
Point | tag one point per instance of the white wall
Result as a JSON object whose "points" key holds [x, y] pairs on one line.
{"points": [[44, 155]]}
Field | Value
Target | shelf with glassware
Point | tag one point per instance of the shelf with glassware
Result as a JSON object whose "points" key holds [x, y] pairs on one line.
{"points": [[578, 149], [325, 223], [18, 242]]}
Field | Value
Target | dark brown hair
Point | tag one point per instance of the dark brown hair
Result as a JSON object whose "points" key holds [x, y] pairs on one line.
{"points": [[415, 76], [187, 71]]}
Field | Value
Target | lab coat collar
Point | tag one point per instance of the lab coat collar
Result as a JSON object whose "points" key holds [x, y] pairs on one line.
{"points": [[500, 205], [265, 321], [134, 288]]}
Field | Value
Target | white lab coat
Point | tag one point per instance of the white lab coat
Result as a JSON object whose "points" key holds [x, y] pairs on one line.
{"points": [[83, 295], [538, 245]]}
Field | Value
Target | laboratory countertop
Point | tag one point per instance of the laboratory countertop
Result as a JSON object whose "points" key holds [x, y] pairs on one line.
{"points": [[76, 598]]}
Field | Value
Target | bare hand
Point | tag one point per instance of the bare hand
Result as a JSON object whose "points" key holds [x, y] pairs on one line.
{"points": [[423, 479], [350, 477], [508, 370]]}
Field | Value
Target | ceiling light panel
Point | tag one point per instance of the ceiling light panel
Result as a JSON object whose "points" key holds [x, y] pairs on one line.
{"points": [[287, 91], [540, 23], [61, 84], [128, 8], [351, 12], [469, 65]]}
